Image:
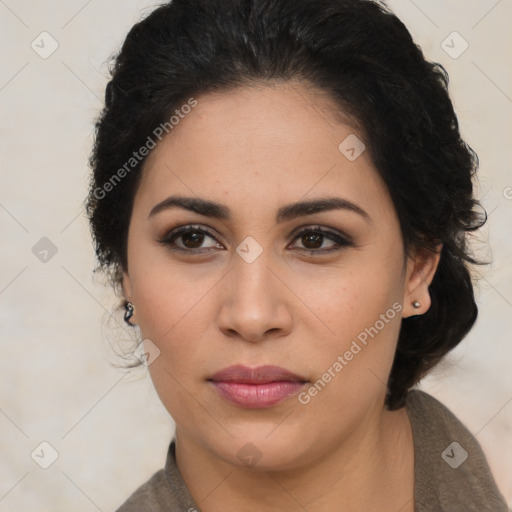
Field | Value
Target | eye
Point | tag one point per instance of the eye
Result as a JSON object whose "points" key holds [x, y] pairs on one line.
{"points": [[313, 239], [190, 239]]}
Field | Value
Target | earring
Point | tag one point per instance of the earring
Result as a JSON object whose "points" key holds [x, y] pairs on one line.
{"points": [[416, 304], [129, 312]]}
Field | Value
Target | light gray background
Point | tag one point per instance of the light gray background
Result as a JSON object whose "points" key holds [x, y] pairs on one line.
{"points": [[109, 428]]}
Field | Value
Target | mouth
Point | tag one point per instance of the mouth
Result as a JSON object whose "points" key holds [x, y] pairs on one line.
{"points": [[255, 388]]}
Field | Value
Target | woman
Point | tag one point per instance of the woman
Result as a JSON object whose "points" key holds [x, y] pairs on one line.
{"points": [[281, 196]]}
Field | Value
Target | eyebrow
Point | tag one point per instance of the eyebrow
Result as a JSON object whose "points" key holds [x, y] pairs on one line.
{"points": [[285, 213]]}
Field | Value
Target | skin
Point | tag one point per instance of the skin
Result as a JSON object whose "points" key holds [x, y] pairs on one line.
{"points": [[254, 150]]}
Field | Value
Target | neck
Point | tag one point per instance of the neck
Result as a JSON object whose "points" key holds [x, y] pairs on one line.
{"points": [[372, 469]]}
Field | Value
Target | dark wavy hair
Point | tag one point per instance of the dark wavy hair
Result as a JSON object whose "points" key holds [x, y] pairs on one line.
{"points": [[364, 58]]}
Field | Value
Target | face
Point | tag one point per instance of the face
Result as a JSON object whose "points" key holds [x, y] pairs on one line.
{"points": [[257, 280]]}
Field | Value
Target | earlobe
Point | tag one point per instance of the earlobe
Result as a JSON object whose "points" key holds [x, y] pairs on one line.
{"points": [[126, 285], [421, 270]]}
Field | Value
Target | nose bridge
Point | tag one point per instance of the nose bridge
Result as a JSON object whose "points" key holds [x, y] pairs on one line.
{"points": [[251, 276], [252, 303]]}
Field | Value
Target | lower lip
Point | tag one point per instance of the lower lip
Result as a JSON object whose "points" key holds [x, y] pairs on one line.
{"points": [[255, 396]]}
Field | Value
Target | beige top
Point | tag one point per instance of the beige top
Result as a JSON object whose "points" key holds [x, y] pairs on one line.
{"points": [[451, 473]]}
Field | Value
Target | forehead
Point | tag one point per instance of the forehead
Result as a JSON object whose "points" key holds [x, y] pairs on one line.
{"points": [[276, 116], [261, 142]]}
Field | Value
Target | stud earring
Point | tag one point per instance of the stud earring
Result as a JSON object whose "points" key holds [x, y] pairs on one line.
{"points": [[416, 304], [129, 312]]}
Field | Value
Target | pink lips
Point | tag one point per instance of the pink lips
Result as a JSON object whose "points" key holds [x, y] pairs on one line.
{"points": [[259, 387]]}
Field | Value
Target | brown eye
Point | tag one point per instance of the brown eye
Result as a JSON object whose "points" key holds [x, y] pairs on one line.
{"points": [[313, 239], [192, 239], [189, 239]]}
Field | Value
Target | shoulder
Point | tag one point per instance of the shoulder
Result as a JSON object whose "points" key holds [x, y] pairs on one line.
{"points": [[451, 471], [165, 491], [145, 497]]}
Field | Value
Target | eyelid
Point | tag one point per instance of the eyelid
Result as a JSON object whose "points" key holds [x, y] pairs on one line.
{"points": [[340, 239], [186, 228], [321, 229]]}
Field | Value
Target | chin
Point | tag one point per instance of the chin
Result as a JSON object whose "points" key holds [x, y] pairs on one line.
{"points": [[264, 447]]}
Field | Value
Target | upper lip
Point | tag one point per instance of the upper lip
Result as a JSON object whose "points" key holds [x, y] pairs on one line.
{"points": [[258, 375]]}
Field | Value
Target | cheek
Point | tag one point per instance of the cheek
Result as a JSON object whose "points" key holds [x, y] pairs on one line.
{"points": [[173, 316], [168, 294], [357, 315], [344, 301], [175, 311]]}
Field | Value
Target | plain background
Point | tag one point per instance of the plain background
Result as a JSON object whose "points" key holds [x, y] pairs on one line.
{"points": [[109, 428]]}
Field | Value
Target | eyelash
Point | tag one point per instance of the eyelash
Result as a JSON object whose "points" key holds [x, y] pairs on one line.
{"points": [[169, 240]]}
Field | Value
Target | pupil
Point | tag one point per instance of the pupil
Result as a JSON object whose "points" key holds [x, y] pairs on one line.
{"points": [[315, 238], [195, 237]]}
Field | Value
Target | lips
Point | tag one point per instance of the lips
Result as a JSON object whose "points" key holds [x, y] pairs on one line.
{"points": [[259, 387]]}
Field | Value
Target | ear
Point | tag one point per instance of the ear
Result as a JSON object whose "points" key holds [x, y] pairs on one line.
{"points": [[421, 269], [127, 291], [126, 285]]}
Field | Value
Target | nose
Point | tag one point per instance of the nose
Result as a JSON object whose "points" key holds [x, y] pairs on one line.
{"points": [[255, 301]]}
